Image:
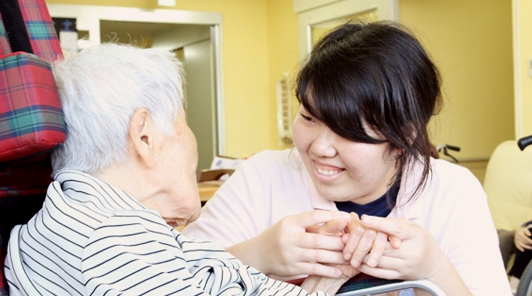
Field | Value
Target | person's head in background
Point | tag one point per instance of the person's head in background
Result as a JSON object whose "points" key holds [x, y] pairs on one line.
{"points": [[367, 93], [125, 121]]}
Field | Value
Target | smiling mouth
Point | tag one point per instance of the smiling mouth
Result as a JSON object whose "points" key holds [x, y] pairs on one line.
{"points": [[328, 170]]}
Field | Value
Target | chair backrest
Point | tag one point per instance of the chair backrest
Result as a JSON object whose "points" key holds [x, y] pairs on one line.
{"points": [[508, 184], [31, 118]]}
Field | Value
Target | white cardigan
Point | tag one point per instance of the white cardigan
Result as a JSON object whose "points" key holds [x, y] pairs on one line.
{"points": [[452, 207]]}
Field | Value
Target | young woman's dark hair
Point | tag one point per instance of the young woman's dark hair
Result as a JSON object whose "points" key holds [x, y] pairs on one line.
{"points": [[378, 76]]}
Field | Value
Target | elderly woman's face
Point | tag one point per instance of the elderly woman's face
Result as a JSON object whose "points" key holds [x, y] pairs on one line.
{"points": [[179, 201]]}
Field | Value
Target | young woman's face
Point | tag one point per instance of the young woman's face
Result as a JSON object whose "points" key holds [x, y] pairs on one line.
{"points": [[343, 170]]}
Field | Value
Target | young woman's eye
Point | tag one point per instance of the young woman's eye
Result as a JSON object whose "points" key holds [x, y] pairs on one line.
{"points": [[307, 118]]}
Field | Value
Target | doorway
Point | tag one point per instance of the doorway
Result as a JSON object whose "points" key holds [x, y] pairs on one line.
{"points": [[195, 37]]}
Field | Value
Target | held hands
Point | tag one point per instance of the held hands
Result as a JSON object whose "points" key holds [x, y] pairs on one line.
{"points": [[322, 242], [288, 249], [411, 254], [522, 239], [360, 241], [334, 228], [390, 248], [418, 257]]}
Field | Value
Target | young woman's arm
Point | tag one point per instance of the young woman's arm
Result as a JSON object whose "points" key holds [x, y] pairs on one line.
{"points": [[287, 249]]}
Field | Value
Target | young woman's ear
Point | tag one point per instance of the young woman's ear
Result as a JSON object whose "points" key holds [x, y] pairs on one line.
{"points": [[142, 137]]}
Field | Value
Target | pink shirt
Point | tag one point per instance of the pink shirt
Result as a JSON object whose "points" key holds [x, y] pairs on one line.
{"points": [[452, 207]]}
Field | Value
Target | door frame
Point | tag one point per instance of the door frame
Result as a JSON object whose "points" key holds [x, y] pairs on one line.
{"points": [[88, 19], [313, 12]]}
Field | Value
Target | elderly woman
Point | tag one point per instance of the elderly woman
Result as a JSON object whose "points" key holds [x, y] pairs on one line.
{"points": [[123, 179]]}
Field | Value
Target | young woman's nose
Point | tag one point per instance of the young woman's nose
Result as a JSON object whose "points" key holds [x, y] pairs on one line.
{"points": [[323, 145]]}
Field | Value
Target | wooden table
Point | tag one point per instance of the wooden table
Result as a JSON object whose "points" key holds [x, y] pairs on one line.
{"points": [[207, 189]]}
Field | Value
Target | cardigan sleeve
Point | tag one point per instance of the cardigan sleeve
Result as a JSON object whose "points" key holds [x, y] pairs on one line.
{"points": [[135, 253], [453, 208], [239, 210], [472, 244]]}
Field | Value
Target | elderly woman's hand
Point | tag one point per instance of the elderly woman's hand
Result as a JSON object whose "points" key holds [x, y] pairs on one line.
{"points": [[417, 256], [336, 228], [315, 283], [359, 240], [287, 249]]}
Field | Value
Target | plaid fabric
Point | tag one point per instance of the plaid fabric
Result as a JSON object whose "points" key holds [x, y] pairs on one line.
{"points": [[4, 45], [14, 179], [31, 118], [41, 29]]}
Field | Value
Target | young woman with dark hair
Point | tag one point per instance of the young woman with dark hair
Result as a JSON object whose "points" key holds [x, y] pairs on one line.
{"points": [[367, 93]]}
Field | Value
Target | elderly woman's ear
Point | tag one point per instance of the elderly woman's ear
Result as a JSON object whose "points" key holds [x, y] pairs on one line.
{"points": [[142, 138]]}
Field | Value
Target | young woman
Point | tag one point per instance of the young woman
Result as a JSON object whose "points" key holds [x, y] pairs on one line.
{"points": [[367, 93]]}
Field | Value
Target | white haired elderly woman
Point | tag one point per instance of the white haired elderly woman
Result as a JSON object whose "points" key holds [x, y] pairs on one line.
{"points": [[123, 179]]}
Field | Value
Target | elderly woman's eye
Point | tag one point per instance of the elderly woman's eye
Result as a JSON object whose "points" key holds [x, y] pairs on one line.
{"points": [[307, 118]]}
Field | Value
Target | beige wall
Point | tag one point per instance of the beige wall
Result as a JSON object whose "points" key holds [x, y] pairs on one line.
{"points": [[283, 51], [471, 42], [245, 65], [523, 31]]}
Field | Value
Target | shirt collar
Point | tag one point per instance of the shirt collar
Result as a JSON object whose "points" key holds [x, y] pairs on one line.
{"points": [[317, 200], [86, 187], [409, 206]]}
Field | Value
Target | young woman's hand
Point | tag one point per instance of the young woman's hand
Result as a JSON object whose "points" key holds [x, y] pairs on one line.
{"points": [[359, 240], [522, 239], [419, 256], [287, 249]]}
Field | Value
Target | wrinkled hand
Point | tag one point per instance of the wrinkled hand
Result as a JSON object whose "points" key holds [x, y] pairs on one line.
{"points": [[337, 228], [419, 256], [315, 283], [287, 249], [522, 239], [360, 241]]}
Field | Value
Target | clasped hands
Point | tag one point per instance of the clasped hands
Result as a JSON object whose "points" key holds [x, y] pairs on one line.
{"points": [[336, 244], [361, 243]]}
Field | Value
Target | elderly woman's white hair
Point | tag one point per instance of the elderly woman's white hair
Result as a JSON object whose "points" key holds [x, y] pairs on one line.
{"points": [[100, 89]]}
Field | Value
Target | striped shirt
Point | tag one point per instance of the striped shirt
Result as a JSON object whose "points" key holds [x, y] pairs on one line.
{"points": [[92, 238]]}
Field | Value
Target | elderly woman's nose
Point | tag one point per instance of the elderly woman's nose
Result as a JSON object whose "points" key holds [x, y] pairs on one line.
{"points": [[323, 144]]}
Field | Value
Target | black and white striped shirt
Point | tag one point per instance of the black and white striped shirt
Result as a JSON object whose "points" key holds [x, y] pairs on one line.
{"points": [[91, 238]]}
